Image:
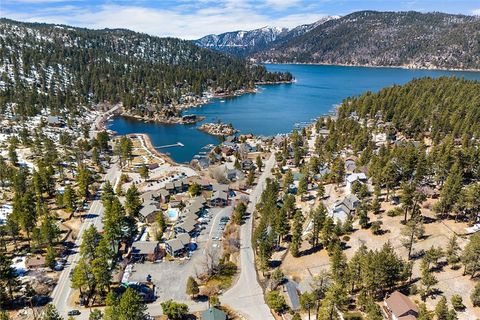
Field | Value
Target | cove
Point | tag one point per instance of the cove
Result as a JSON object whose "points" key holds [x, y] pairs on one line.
{"points": [[277, 108]]}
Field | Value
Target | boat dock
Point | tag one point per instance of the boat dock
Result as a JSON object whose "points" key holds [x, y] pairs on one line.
{"points": [[178, 144]]}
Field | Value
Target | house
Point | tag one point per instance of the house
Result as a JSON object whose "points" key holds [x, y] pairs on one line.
{"points": [[245, 148], [169, 186], [146, 250], [350, 165], [195, 206], [174, 247], [177, 246], [324, 132], [247, 165], [341, 210], [35, 262], [213, 314], [351, 178], [187, 226], [227, 151], [219, 199], [163, 195], [234, 174], [220, 187], [148, 212], [54, 121], [397, 306]]}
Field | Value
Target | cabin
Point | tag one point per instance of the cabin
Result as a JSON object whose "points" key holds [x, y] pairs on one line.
{"points": [[397, 306], [54, 121]]}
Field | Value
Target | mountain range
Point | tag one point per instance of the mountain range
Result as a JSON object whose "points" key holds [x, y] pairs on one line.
{"points": [[367, 38], [245, 43]]}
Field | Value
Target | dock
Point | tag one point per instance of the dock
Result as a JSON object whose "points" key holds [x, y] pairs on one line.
{"points": [[178, 144]]}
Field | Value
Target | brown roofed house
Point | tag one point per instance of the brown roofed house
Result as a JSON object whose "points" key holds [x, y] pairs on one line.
{"points": [[399, 307]]}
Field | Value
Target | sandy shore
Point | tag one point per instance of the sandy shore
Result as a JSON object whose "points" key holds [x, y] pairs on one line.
{"points": [[148, 144]]}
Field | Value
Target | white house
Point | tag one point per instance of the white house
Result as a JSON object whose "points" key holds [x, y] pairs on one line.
{"points": [[342, 209], [351, 178]]}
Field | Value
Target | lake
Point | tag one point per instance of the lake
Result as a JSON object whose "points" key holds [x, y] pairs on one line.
{"points": [[277, 108]]}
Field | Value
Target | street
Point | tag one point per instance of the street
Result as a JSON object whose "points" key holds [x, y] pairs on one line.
{"points": [[62, 291], [246, 296]]}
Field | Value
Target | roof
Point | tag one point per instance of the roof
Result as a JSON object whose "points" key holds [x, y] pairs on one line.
{"points": [[144, 247], [292, 295], [35, 262], [213, 314], [187, 225], [401, 305], [356, 176], [178, 183], [184, 238], [350, 202], [220, 187], [175, 244], [163, 193], [169, 185], [148, 209], [53, 120], [219, 195]]}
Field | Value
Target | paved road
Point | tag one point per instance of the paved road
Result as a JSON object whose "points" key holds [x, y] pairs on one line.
{"points": [[246, 296], [62, 291]]}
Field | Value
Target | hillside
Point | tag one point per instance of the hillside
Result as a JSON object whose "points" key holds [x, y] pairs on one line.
{"points": [[61, 67], [412, 39], [245, 43], [440, 107]]}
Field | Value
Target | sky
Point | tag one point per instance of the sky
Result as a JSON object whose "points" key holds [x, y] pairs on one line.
{"points": [[192, 19]]}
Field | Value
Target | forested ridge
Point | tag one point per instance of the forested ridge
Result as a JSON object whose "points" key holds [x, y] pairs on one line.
{"points": [[440, 106], [414, 39], [59, 66]]}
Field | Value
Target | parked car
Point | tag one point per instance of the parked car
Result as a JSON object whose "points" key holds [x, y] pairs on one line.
{"points": [[73, 313]]}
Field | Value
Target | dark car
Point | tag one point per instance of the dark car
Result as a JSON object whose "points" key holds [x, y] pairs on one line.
{"points": [[73, 313]]}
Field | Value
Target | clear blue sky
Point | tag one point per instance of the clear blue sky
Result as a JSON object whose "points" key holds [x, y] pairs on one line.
{"points": [[194, 18]]}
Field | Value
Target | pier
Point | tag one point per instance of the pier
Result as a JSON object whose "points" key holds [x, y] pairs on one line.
{"points": [[178, 144]]}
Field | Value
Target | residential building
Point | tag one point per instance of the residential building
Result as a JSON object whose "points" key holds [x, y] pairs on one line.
{"points": [[397, 306], [351, 178], [342, 209], [148, 250], [148, 212], [219, 199], [178, 245]]}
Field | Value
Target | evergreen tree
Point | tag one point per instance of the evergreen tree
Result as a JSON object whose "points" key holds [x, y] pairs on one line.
{"points": [[192, 287]]}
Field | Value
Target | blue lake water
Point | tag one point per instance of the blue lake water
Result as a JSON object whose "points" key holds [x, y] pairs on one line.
{"points": [[277, 108]]}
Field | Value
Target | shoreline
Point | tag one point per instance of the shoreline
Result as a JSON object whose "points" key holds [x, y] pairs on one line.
{"points": [[406, 67], [150, 148]]}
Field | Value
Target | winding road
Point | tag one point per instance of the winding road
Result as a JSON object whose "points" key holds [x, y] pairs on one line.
{"points": [[246, 296]]}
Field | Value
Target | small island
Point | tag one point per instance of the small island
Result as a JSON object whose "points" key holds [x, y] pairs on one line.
{"points": [[218, 129]]}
